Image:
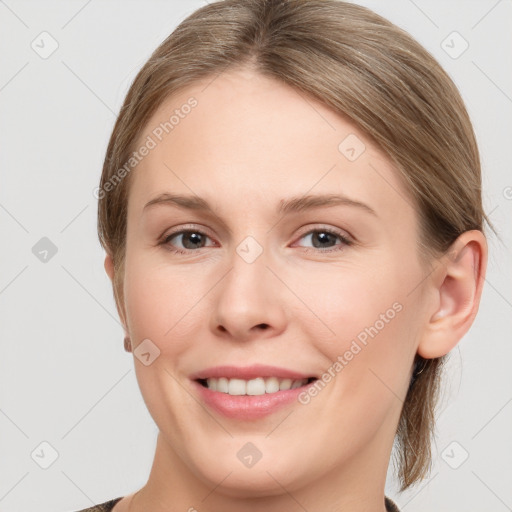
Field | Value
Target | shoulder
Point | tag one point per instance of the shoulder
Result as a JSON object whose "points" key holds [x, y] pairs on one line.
{"points": [[391, 506], [102, 507]]}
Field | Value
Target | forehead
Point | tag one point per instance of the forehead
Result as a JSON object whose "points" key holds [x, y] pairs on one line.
{"points": [[241, 139]]}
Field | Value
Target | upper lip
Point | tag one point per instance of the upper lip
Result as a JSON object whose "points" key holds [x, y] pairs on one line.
{"points": [[249, 372]]}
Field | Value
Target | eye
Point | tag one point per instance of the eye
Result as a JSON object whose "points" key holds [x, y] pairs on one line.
{"points": [[323, 238], [190, 239]]}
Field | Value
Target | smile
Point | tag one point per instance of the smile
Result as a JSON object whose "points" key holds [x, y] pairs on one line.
{"points": [[253, 387]]}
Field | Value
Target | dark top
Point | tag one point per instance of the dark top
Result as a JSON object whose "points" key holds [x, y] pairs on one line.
{"points": [[109, 505]]}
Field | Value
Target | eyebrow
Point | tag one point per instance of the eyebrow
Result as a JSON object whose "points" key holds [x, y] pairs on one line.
{"points": [[285, 206]]}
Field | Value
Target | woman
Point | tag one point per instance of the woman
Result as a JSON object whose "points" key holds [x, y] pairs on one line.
{"points": [[291, 209]]}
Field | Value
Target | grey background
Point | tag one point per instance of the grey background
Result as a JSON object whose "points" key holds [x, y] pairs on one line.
{"points": [[64, 376]]}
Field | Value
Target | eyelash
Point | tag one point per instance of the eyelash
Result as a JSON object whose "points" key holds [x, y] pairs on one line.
{"points": [[346, 242]]}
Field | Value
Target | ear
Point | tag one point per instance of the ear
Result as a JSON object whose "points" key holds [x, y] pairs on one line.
{"points": [[458, 280], [110, 270], [109, 267]]}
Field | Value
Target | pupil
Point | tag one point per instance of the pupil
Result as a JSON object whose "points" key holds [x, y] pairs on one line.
{"points": [[193, 236], [322, 236]]}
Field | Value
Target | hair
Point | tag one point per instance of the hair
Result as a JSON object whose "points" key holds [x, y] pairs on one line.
{"points": [[360, 65]]}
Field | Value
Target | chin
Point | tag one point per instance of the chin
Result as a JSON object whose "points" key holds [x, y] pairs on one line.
{"points": [[244, 466], [252, 482]]}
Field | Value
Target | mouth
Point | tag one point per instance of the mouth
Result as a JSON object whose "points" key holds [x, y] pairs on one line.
{"points": [[250, 398], [254, 387], [249, 393]]}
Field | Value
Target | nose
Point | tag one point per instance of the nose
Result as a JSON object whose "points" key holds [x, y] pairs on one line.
{"points": [[249, 301]]}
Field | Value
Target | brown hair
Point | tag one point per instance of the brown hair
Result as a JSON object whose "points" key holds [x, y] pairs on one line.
{"points": [[358, 64]]}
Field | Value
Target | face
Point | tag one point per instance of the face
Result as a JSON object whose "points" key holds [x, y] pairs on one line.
{"points": [[308, 313]]}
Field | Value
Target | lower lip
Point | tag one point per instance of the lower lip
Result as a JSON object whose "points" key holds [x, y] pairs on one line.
{"points": [[248, 407]]}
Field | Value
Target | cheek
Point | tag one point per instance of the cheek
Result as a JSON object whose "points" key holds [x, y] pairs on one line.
{"points": [[159, 306], [148, 304], [366, 376], [160, 299], [371, 326], [350, 301]]}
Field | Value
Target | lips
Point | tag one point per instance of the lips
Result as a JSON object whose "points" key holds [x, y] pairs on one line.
{"points": [[250, 372], [251, 392]]}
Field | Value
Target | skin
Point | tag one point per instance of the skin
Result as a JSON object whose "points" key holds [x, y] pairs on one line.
{"points": [[249, 143]]}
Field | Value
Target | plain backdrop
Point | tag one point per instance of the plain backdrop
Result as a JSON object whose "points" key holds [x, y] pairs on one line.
{"points": [[74, 430]]}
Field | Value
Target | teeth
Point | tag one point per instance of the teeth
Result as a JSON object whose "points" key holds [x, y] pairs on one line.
{"points": [[222, 385], [253, 387], [271, 385], [285, 384], [237, 387], [212, 384]]}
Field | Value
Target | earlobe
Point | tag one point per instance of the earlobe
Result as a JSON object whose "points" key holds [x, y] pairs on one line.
{"points": [[109, 266], [460, 277]]}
